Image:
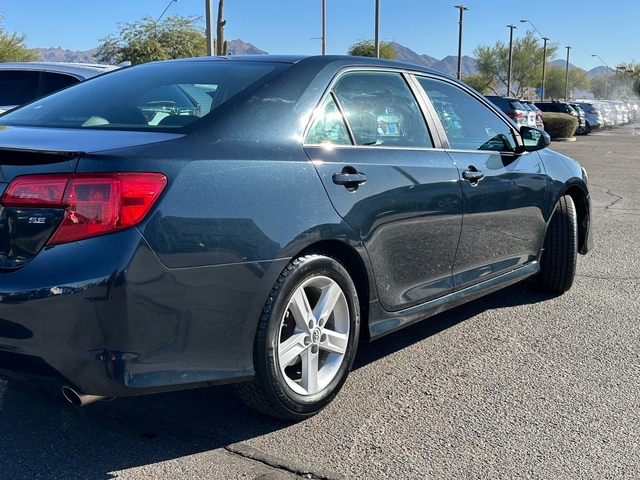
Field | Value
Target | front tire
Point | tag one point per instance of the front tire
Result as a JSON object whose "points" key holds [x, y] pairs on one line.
{"points": [[559, 257], [306, 340]]}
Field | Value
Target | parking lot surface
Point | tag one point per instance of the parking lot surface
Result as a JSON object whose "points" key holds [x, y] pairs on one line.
{"points": [[515, 385]]}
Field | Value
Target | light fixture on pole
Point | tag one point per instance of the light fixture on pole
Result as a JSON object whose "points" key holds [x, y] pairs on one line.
{"points": [[606, 80], [544, 56], [462, 9], [566, 76], [511, 27]]}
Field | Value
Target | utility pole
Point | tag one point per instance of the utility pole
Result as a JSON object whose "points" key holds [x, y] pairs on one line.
{"points": [[511, 27], [566, 76], [209, 28], [462, 9], [377, 29]]}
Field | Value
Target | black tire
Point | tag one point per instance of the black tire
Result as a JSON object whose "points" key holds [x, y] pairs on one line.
{"points": [[559, 256], [302, 358], [582, 130]]}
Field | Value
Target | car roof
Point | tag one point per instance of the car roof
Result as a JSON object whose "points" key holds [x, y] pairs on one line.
{"points": [[80, 70], [317, 60]]}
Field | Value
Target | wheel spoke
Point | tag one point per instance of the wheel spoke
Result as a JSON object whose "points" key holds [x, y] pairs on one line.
{"points": [[327, 302], [334, 342], [301, 309], [309, 380], [291, 348]]}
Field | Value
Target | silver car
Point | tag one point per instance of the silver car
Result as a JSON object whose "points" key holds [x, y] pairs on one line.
{"points": [[593, 117], [23, 82]]}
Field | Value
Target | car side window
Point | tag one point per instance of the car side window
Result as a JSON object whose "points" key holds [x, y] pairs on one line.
{"points": [[328, 125], [468, 123], [57, 81], [381, 110], [18, 87]]}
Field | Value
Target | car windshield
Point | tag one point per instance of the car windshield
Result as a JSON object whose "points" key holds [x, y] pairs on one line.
{"points": [[153, 96]]}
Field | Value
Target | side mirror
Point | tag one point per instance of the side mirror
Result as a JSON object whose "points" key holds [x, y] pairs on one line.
{"points": [[534, 139]]}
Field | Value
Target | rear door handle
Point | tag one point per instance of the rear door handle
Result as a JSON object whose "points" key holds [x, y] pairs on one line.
{"points": [[472, 175], [349, 178], [357, 178]]}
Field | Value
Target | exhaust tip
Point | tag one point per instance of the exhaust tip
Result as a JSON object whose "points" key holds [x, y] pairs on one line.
{"points": [[79, 399]]}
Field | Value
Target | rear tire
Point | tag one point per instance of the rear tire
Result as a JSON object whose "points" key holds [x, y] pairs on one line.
{"points": [[306, 340], [559, 256]]}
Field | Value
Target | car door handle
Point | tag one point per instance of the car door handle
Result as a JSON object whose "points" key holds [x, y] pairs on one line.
{"points": [[472, 175], [357, 178]]}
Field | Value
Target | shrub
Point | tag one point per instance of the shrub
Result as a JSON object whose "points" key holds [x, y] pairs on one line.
{"points": [[559, 125]]}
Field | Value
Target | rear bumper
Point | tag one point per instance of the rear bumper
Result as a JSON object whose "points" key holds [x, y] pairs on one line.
{"points": [[123, 324]]}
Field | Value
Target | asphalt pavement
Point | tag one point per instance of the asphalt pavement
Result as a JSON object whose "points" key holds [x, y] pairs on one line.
{"points": [[515, 385]]}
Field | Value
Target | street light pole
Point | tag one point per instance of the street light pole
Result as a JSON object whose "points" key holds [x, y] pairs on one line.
{"points": [[324, 27], [544, 56], [566, 76], [511, 27], [606, 80], [377, 29], [462, 9], [209, 29]]}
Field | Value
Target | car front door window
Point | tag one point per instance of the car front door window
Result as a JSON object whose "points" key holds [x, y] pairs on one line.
{"points": [[468, 123]]}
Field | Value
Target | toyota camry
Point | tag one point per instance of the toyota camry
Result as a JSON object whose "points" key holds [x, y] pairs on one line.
{"points": [[251, 219]]}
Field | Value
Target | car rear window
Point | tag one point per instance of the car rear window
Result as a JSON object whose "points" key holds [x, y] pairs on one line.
{"points": [[154, 96]]}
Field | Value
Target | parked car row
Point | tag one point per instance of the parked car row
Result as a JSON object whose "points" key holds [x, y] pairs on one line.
{"points": [[615, 112], [591, 114], [522, 112]]}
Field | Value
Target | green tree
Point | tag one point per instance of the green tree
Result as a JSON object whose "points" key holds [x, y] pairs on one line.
{"points": [[479, 82], [600, 86], [146, 41], [367, 48], [14, 49], [556, 81], [526, 62]]}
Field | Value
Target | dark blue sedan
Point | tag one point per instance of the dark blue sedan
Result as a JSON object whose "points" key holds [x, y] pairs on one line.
{"points": [[250, 219]]}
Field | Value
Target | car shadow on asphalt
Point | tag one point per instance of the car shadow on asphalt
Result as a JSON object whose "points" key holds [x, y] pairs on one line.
{"points": [[521, 293], [43, 436]]}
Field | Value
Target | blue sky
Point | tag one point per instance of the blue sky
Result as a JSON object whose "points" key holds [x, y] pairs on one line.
{"points": [[607, 29]]}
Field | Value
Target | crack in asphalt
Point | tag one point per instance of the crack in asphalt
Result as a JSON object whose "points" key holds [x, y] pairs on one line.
{"points": [[245, 451]]}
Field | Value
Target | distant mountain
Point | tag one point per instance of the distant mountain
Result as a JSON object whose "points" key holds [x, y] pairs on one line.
{"points": [[600, 71], [240, 47], [235, 47], [405, 54], [561, 63], [448, 65], [60, 55]]}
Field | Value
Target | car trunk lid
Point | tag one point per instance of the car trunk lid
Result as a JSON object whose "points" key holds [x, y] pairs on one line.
{"points": [[26, 228]]}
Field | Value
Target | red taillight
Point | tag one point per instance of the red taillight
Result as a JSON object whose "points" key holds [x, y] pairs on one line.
{"points": [[95, 203]]}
